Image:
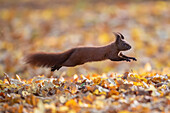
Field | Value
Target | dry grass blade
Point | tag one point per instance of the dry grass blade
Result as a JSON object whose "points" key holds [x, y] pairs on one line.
{"points": [[7, 77]]}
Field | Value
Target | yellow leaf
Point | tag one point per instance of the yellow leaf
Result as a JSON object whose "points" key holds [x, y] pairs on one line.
{"points": [[148, 67], [63, 109], [71, 102], [96, 92], [41, 108]]}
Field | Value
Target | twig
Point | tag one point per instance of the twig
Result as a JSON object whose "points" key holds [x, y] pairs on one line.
{"points": [[7, 77]]}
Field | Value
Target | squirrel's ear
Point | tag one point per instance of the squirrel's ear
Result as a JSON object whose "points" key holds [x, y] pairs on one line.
{"points": [[117, 37], [121, 36]]}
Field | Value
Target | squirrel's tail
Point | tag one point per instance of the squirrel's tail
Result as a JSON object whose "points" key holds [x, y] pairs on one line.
{"points": [[47, 59]]}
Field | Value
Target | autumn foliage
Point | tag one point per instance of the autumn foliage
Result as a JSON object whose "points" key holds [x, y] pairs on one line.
{"points": [[128, 92], [113, 87]]}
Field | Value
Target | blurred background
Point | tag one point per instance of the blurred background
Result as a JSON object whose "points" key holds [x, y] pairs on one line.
{"points": [[57, 25]]}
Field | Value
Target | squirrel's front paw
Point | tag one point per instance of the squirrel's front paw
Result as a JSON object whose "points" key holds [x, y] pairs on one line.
{"points": [[127, 60], [134, 59]]}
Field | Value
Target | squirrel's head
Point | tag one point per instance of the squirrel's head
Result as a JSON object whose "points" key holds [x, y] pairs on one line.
{"points": [[120, 42]]}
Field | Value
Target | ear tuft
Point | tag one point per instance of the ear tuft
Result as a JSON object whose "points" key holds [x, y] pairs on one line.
{"points": [[118, 36], [121, 36]]}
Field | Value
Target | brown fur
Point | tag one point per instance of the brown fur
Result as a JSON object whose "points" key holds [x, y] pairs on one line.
{"points": [[81, 55]]}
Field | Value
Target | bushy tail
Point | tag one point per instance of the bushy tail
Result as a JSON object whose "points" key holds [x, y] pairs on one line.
{"points": [[48, 59]]}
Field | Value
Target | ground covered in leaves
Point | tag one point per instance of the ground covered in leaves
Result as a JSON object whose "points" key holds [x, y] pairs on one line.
{"points": [[123, 93]]}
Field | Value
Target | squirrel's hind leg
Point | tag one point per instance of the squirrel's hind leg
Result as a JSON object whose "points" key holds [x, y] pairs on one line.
{"points": [[55, 68]]}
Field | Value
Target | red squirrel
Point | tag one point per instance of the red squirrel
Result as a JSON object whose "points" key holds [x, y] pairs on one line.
{"points": [[81, 55]]}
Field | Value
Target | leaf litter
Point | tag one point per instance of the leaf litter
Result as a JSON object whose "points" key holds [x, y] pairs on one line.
{"points": [[97, 93]]}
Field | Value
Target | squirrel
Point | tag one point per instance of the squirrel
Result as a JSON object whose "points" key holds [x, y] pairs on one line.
{"points": [[80, 55]]}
